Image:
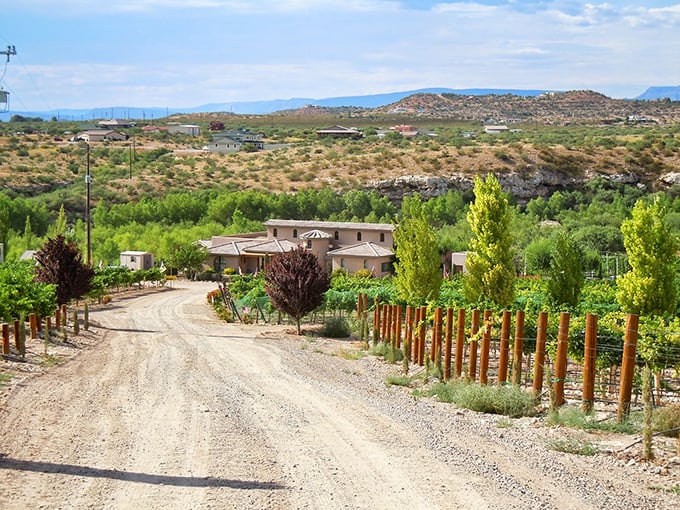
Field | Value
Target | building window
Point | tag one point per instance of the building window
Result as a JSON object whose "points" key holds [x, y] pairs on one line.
{"points": [[386, 267], [336, 235], [342, 263], [294, 232], [276, 232], [309, 244], [365, 264], [132, 259], [382, 237], [358, 236]]}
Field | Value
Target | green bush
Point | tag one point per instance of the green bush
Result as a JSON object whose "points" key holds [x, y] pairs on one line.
{"points": [[667, 420], [336, 327], [505, 400]]}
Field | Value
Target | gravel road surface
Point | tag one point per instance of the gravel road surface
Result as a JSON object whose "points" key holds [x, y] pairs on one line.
{"points": [[165, 407]]}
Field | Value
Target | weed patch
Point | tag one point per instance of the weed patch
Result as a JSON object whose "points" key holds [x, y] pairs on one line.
{"points": [[504, 400], [573, 445]]}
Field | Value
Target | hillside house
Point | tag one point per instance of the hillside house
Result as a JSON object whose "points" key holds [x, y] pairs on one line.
{"points": [[115, 124], [184, 129], [136, 260], [495, 130], [100, 135], [235, 141], [339, 132], [347, 245]]}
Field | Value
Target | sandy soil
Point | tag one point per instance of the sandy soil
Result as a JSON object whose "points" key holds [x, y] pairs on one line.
{"points": [[163, 406]]}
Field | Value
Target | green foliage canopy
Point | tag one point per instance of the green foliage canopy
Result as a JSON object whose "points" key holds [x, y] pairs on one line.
{"points": [[649, 288], [491, 271], [418, 271]]}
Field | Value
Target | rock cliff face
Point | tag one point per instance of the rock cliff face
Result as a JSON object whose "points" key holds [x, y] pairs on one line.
{"points": [[524, 187]]}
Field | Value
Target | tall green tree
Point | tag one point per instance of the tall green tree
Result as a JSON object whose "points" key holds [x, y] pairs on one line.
{"points": [[188, 258], [651, 245], [295, 283], [418, 266], [566, 272], [58, 228], [491, 272]]}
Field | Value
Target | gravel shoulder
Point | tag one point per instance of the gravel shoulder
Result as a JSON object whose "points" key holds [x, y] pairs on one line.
{"points": [[160, 405]]}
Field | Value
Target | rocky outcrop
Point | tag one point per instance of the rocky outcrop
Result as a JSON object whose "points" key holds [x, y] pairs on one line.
{"points": [[523, 186]]}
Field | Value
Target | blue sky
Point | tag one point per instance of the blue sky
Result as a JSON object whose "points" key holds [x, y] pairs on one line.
{"points": [[183, 53]]}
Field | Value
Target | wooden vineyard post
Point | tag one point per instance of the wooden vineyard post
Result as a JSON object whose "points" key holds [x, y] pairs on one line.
{"points": [[397, 326], [408, 332], [448, 341], [436, 335], [416, 336], [421, 334], [518, 349], [376, 322], [474, 329], [486, 347], [408, 336], [561, 358], [460, 344], [437, 341], [20, 340], [627, 366], [64, 318], [505, 344], [384, 329], [17, 333], [589, 357], [539, 358], [5, 338], [57, 318], [33, 325]]}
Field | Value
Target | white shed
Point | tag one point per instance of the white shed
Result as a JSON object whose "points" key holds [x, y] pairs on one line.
{"points": [[135, 260]]}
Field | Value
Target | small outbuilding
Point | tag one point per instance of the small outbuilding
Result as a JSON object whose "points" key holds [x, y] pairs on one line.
{"points": [[135, 260]]}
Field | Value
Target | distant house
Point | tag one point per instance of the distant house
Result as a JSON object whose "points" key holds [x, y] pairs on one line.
{"points": [[115, 124], [407, 131], [339, 132], [184, 129], [234, 141], [100, 135], [152, 128], [495, 130], [347, 245], [458, 259], [136, 260]]}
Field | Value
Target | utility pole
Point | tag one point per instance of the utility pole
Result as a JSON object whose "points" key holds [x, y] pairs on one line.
{"points": [[132, 155], [11, 50], [88, 221]]}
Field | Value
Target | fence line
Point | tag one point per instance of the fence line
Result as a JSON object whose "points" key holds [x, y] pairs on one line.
{"points": [[458, 351]]}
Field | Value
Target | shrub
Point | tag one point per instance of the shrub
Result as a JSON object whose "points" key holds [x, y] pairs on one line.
{"points": [[577, 446], [336, 327], [667, 420], [506, 400]]}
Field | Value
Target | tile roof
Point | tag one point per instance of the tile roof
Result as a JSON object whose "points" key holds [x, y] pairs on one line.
{"points": [[272, 246], [324, 225], [367, 249]]}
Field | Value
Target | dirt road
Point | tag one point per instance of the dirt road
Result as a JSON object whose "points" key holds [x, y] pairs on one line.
{"points": [[171, 408]]}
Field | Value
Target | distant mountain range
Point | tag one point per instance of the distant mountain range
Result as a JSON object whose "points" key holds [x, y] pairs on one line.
{"points": [[267, 107], [672, 93]]}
